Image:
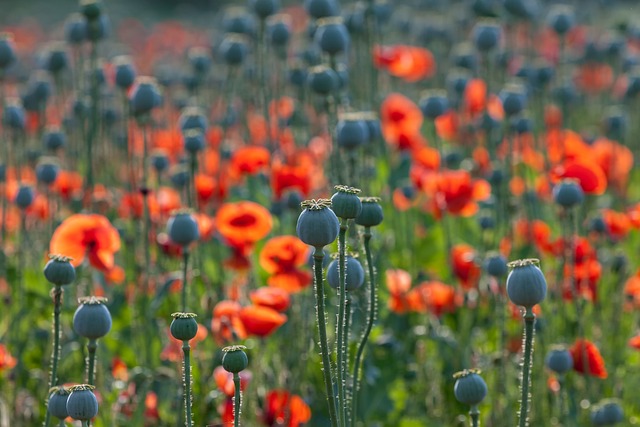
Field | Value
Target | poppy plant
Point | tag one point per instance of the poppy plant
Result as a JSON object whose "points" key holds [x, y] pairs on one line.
{"points": [[226, 324], [283, 257], [285, 409], [274, 298], [398, 283], [433, 297], [465, 267], [260, 320], [243, 223], [594, 363]]}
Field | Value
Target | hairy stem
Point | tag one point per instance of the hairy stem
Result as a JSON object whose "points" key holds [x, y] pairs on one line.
{"points": [[529, 321], [341, 321], [91, 348], [186, 349], [236, 400], [474, 413], [55, 354], [185, 264]]}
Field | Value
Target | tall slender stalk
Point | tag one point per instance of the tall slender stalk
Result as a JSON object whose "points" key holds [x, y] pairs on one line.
{"points": [[529, 322], [92, 346], [341, 321], [186, 349], [318, 256], [55, 354], [93, 124], [474, 413], [236, 400], [185, 264]]}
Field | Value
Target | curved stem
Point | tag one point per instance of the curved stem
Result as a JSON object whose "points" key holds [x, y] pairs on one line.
{"points": [[185, 264], [186, 349], [365, 336], [341, 320], [529, 321], [91, 348], [475, 415], [236, 400], [318, 256]]}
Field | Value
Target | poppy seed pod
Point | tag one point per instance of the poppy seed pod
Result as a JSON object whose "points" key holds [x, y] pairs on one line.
{"points": [[14, 115], [192, 118], [145, 96], [615, 123], [561, 18], [526, 284], [568, 193], [47, 171], [184, 326], [92, 319], [235, 359], [354, 277], [75, 29], [234, 49], [25, 196], [486, 36], [125, 72], [238, 20], [200, 59], [317, 224], [559, 360], [496, 266], [53, 139], [159, 161], [182, 228], [59, 270], [7, 50], [351, 131], [345, 202], [279, 30], [322, 80], [193, 141], [56, 58], [470, 388], [57, 405], [321, 8], [331, 35], [434, 104], [82, 403], [91, 9], [373, 124], [371, 214], [264, 8], [607, 413], [513, 99], [179, 176], [465, 57]]}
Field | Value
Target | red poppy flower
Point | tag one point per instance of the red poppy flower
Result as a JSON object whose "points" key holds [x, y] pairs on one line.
{"points": [[283, 253], [89, 235], [588, 173], [285, 409], [447, 125], [291, 281], [261, 321], [226, 325], [119, 370], [224, 380], [274, 298], [398, 283], [456, 192], [635, 342], [399, 116], [249, 160], [6, 360], [68, 184], [286, 177], [594, 363], [616, 162], [618, 224], [434, 297], [594, 78], [243, 223], [465, 268]]}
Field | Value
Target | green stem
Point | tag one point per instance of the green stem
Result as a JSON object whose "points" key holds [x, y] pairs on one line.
{"points": [[341, 320], [474, 413], [185, 264], [365, 336], [236, 400], [62, 423], [562, 414], [529, 321], [55, 355], [191, 188], [318, 256], [93, 124], [91, 348], [147, 217], [187, 383]]}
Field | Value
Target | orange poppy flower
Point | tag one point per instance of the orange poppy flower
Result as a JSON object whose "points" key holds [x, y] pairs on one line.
{"points": [[635, 342], [632, 289], [283, 253], [249, 160], [586, 274], [593, 365], [465, 268], [119, 370], [456, 192], [618, 224], [243, 223], [564, 145], [291, 281], [224, 380], [87, 235], [168, 200], [447, 125], [261, 321], [68, 184], [274, 298], [398, 283], [282, 406], [594, 78], [286, 177], [226, 325], [205, 186], [7, 361], [616, 162], [206, 226], [434, 297], [552, 117], [282, 108], [399, 116], [426, 158], [588, 173]]}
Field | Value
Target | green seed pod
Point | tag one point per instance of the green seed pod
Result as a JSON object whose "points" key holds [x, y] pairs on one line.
{"points": [[91, 9], [371, 213], [317, 225], [82, 403], [345, 203], [57, 405], [59, 270], [184, 326], [559, 360], [235, 359], [469, 388], [526, 284], [92, 319]]}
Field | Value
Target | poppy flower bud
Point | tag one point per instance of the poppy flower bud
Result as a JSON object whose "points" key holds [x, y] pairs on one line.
{"points": [[322, 80], [53, 139], [371, 214], [7, 50], [234, 49], [82, 403], [351, 131], [264, 8], [561, 18], [345, 202], [235, 359], [182, 228], [331, 35], [496, 266], [92, 319], [470, 388], [321, 8], [193, 141], [513, 99], [125, 72], [486, 36], [354, 277], [75, 29], [568, 193], [317, 225], [57, 405], [25, 196], [278, 31], [526, 284], [145, 96], [59, 270], [91, 9], [14, 115], [184, 326], [559, 360], [434, 104], [608, 412], [56, 58]]}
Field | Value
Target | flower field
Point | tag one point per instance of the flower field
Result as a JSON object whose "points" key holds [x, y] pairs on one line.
{"points": [[322, 213]]}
